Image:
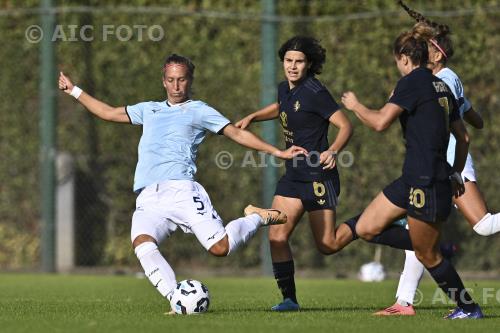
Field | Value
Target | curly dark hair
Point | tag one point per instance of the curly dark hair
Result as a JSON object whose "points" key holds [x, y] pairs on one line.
{"points": [[312, 49], [178, 59]]}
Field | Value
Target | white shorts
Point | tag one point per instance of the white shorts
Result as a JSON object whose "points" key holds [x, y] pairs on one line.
{"points": [[468, 171], [162, 208]]}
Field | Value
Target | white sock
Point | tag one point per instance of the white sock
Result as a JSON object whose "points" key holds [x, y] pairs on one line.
{"points": [[156, 268], [488, 225], [410, 278], [241, 230]]}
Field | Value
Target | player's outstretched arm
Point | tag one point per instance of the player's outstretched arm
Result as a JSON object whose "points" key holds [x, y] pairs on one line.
{"points": [[250, 140], [378, 120], [474, 118], [269, 112], [95, 106]]}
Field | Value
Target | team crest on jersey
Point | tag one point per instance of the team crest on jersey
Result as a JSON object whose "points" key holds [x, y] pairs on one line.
{"points": [[283, 118], [296, 106]]}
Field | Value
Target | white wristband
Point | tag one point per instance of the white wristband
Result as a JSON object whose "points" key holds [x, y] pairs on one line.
{"points": [[76, 92]]}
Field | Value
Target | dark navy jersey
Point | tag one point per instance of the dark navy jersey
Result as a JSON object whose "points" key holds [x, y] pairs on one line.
{"points": [[304, 114], [429, 108]]}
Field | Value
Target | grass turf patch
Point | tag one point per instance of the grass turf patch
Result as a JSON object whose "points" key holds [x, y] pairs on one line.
{"points": [[55, 303]]}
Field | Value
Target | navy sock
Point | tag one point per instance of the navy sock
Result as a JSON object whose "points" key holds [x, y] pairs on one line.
{"points": [[448, 280], [284, 274], [394, 236], [351, 223]]}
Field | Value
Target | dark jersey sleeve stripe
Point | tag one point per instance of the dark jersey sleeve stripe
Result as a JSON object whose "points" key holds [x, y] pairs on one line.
{"points": [[220, 132], [126, 111]]}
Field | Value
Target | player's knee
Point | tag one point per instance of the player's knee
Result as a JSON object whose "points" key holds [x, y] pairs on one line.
{"points": [[428, 257], [327, 247], [143, 238], [366, 232], [220, 249], [278, 240]]}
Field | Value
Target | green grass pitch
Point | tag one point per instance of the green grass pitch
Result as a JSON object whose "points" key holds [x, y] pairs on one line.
{"points": [[53, 303]]}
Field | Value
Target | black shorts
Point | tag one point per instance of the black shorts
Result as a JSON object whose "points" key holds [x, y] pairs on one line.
{"points": [[430, 203], [314, 195]]}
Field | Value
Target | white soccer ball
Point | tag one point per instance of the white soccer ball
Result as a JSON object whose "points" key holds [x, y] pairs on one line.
{"points": [[190, 297], [372, 272]]}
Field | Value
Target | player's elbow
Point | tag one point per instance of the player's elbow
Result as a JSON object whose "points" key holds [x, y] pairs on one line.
{"points": [[348, 128], [465, 139], [479, 124], [234, 133], [381, 126]]}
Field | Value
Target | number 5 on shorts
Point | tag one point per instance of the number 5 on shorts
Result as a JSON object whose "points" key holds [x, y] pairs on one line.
{"points": [[198, 201]]}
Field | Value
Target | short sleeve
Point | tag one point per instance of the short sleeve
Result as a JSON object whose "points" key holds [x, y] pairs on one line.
{"points": [[457, 90], [212, 119], [404, 96], [136, 112], [324, 104], [282, 89], [465, 105]]}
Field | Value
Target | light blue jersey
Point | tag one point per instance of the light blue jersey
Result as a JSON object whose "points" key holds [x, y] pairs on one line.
{"points": [[170, 138], [452, 80]]}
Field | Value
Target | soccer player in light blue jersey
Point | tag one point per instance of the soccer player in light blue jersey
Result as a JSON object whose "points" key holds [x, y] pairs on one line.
{"points": [[471, 204], [168, 196]]}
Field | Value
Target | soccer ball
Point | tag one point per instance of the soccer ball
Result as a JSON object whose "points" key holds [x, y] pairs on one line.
{"points": [[372, 272], [190, 297]]}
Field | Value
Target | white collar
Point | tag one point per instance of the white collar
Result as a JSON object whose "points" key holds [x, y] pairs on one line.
{"points": [[178, 104]]}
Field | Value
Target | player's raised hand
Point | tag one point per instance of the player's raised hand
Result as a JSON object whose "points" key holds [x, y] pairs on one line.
{"points": [[65, 83], [328, 159], [245, 122], [291, 152], [349, 100]]}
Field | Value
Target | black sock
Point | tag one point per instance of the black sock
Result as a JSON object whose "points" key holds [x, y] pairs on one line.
{"points": [[394, 236], [351, 223], [448, 280], [284, 274]]}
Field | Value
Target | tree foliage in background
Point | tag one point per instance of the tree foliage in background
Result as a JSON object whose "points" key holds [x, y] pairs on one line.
{"points": [[226, 52]]}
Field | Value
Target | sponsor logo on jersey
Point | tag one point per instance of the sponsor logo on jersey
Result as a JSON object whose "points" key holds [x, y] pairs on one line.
{"points": [[296, 106], [284, 120]]}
